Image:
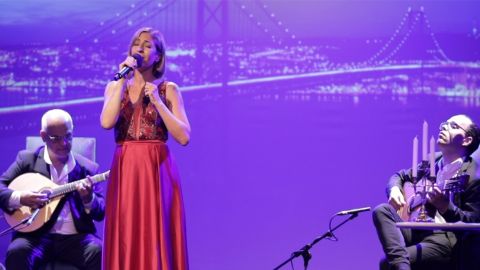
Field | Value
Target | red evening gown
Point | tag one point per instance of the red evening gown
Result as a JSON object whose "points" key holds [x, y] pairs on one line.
{"points": [[145, 221]]}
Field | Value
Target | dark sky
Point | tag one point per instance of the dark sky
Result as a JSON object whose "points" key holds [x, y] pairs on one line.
{"points": [[55, 20]]}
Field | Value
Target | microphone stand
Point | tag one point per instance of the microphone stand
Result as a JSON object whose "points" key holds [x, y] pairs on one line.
{"points": [[305, 250], [26, 221]]}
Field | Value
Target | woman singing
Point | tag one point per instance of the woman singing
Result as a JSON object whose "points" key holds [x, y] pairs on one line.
{"points": [[145, 220]]}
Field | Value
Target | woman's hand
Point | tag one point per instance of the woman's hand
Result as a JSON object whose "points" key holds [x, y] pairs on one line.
{"points": [[131, 62], [151, 91]]}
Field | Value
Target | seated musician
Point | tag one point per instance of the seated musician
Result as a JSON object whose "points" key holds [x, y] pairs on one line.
{"points": [[405, 249], [69, 234]]}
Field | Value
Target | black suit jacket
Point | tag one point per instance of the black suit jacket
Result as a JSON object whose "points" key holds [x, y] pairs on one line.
{"points": [[467, 203], [32, 161]]}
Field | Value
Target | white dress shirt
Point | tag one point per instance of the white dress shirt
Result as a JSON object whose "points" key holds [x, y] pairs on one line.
{"points": [[446, 172]]}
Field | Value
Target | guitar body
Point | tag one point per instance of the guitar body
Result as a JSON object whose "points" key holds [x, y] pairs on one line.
{"points": [[414, 199], [413, 203], [38, 182]]}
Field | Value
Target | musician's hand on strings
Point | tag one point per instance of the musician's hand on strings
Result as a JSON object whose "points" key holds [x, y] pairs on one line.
{"points": [[396, 198], [84, 188], [33, 199], [436, 197]]}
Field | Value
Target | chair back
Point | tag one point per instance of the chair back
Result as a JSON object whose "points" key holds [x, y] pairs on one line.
{"points": [[84, 146]]}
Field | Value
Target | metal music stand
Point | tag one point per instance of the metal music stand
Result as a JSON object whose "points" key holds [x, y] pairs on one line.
{"points": [[305, 250]]}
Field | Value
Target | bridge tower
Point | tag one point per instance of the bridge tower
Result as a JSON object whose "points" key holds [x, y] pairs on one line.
{"points": [[212, 25], [419, 45]]}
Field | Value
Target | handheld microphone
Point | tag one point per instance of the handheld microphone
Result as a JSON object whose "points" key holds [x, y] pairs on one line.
{"points": [[33, 216], [353, 211], [125, 70]]}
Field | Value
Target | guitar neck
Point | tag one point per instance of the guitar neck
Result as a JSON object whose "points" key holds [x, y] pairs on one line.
{"points": [[72, 186]]}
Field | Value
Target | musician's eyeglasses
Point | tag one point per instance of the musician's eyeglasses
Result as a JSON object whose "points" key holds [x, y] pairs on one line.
{"points": [[54, 138], [453, 125]]}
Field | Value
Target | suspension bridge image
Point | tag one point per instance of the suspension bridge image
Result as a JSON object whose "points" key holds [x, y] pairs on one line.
{"points": [[218, 53]]}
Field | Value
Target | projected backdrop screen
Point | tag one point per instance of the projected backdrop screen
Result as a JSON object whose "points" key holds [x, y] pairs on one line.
{"points": [[299, 109]]}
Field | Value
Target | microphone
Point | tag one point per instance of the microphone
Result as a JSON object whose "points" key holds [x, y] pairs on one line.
{"points": [[33, 216], [353, 211], [125, 70], [145, 100]]}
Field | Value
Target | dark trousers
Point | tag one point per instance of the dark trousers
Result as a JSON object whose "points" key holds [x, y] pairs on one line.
{"points": [[405, 247], [468, 250], [83, 251]]}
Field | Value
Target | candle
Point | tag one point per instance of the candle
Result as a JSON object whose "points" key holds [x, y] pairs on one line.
{"points": [[432, 156], [415, 157], [424, 140]]}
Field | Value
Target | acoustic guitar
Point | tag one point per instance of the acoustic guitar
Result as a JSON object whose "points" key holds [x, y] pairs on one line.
{"points": [[54, 192], [415, 199]]}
